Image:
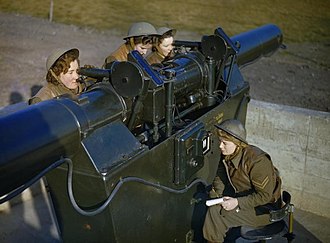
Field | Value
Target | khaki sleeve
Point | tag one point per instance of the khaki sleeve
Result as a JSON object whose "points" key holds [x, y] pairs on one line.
{"points": [[217, 188], [262, 179], [34, 100], [43, 94], [108, 61]]}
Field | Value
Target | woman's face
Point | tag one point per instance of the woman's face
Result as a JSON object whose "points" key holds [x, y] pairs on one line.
{"points": [[166, 46], [227, 147], [69, 79], [142, 49]]}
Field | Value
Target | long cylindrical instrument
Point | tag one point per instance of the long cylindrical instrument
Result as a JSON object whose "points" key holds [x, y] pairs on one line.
{"points": [[34, 138], [257, 43]]}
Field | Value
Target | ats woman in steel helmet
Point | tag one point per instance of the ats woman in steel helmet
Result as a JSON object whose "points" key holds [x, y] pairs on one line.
{"points": [[140, 37], [163, 48], [247, 181], [62, 75]]}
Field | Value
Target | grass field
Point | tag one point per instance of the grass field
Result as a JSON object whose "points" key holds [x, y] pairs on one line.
{"points": [[300, 21]]}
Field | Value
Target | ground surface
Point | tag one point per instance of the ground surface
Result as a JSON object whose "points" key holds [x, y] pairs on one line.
{"points": [[297, 76]]}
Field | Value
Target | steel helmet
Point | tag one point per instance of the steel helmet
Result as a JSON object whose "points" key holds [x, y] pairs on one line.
{"points": [[56, 54], [140, 29], [163, 30], [234, 128]]}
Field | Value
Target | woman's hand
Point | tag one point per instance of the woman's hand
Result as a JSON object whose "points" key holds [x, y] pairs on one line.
{"points": [[229, 203]]}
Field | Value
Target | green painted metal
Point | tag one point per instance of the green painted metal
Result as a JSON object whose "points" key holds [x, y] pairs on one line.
{"points": [[135, 169]]}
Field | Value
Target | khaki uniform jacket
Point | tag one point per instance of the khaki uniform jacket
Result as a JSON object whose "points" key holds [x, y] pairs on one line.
{"points": [[155, 57], [51, 90], [253, 177], [119, 55]]}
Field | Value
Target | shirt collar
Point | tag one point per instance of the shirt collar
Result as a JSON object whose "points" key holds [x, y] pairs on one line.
{"points": [[63, 89], [160, 54], [237, 158]]}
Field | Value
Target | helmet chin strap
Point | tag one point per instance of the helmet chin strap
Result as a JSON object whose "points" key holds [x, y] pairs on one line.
{"points": [[131, 42], [231, 156], [74, 91], [160, 52], [55, 76]]}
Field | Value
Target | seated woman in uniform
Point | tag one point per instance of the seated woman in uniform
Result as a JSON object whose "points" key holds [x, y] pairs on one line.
{"points": [[140, 37], [62, 75], [164, 47], [246, 179]]}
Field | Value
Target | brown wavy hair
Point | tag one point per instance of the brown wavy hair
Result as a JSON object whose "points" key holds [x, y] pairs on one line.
{"points": [[159, 40], [61, 65]]}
